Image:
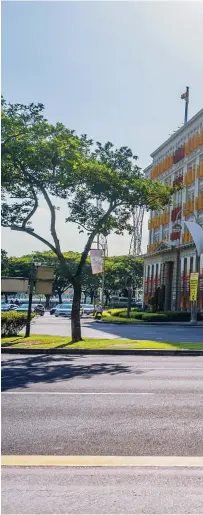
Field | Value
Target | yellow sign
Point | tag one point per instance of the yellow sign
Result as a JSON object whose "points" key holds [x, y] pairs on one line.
{"points": [[193, 286]]}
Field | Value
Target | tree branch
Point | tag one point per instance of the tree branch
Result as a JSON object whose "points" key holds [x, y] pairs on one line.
{"points": [[32, 212], [91, 238], [51, 208], [37, 236]]}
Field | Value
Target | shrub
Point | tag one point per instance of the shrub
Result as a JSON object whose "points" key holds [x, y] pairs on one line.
{"points": [[116, 312], [134, 314], [106, 314], [12, 323], [154, 317]]}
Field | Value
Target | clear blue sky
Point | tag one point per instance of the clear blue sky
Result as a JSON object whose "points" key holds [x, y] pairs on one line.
{"points": [[114, 70]]}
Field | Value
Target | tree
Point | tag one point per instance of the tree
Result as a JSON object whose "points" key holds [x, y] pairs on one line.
{"points": [[52, 161], [4, 262], [118, 270]]}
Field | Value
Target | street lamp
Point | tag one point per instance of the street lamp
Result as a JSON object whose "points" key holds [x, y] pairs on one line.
{"points": [[104, 248], [177, 227]]}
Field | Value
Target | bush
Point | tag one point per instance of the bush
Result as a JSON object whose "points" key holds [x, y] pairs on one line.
{"points": [[116, 312], [180, 316], [12, 323], [134, 314], [154, 317]]}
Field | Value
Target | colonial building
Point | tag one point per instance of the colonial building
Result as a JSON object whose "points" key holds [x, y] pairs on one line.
{"points": [[171, 255]]}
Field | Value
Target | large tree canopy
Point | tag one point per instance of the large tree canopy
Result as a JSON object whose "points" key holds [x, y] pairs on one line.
{"points": [[118, 270], [50, 160]]}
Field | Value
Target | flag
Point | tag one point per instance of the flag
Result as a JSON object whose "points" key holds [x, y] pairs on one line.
{"points": [[97, 262], [185, 95]]}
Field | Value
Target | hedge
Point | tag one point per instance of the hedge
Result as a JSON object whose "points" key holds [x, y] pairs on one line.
{"points": [[165, 316], [181, 316], [154, 317], [134, 314], [12, 323]]}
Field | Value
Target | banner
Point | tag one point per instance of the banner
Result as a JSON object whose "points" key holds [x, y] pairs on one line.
{"points": [[193, 286], [197, 234], [97, 262]]}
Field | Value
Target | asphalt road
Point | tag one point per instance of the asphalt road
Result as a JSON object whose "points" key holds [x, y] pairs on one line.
{"points": [[61, 326], [99, 491], [102, 406]]}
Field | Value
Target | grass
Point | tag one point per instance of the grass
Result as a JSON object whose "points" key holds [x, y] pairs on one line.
{"points": [[119, 320], [38, 341]]}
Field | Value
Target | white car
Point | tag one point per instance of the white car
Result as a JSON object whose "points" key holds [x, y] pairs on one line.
{"points": [[65, 310], [88, 309]]}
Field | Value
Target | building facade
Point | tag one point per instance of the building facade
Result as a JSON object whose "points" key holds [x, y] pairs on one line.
{"points": [[170, 256]]}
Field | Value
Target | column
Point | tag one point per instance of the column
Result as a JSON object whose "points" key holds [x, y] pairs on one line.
{"points": [[182, 282], [188, 284], [194, 262], [159, 276], [145, 285], [150, 281], [201, 283]]}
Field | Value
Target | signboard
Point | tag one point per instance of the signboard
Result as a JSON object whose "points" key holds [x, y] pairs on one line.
{"points": [[44, 287], [45, 273], [14, 285], [97, 262], [193, 286]]}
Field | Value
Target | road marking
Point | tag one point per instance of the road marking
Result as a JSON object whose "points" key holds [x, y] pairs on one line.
{"points": [[77, 393], [101, 461]]}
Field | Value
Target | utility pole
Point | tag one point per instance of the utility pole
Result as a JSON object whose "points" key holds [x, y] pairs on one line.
{"points": [[29, 313]]}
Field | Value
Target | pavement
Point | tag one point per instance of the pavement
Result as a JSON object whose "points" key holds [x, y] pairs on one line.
{"points": [[100, 491], [90, 329], [71, 414]]}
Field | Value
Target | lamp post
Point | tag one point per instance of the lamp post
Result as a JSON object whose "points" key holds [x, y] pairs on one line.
{"points": [[104, 248], [178, 226]]}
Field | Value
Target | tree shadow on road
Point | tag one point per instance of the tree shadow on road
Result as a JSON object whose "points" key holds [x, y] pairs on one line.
{"points": [[22, 372]]}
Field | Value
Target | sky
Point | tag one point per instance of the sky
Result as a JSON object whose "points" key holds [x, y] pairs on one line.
{"points": [[114, 70]]}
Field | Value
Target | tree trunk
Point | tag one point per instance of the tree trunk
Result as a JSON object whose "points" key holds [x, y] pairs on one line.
{"points": [[75, 315], [47, 301], [107, 298], [92, 297], [60, 297]]}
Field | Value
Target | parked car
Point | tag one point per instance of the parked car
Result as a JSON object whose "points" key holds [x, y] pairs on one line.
{"points": [[37, 308], [65, 310], [88, 309], [23, 308], [9, 307], [53, 309]]}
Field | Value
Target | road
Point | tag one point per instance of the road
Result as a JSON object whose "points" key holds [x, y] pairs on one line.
{"points": [[90, 329], [91, 407]]}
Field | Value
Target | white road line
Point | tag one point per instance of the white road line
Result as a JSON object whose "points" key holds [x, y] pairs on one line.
{"points": [[76, 393]]}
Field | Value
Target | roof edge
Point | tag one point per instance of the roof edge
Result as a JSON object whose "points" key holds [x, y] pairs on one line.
{"points": [[199, 113]]}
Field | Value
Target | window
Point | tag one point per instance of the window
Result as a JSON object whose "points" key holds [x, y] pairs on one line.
{"points": [[190, 194], [178, 174], [177, 198], [165, 233], [201, 186], [156, 235]]}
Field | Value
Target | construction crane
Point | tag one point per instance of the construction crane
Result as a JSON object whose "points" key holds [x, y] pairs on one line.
{"points": [[136, 240]]}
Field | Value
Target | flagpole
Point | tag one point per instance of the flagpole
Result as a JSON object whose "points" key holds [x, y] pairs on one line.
{"points": [[186, 104]]}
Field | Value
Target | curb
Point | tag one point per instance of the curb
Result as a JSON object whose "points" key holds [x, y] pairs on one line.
{"points": [[103, 352], [151, 324]]}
